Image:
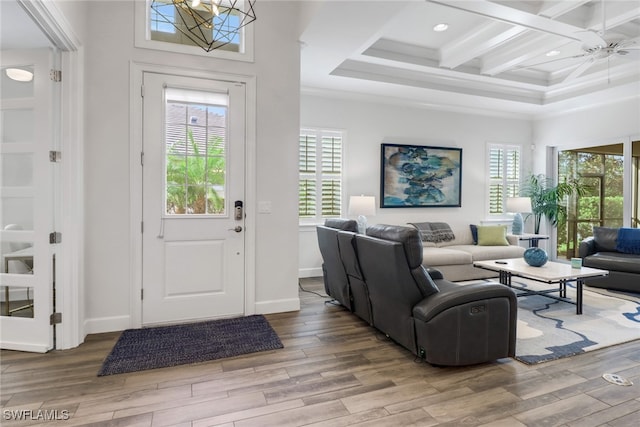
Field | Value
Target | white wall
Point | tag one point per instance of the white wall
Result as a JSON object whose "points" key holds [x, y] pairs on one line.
{"points": [[605, 124], [611, 123], [108, 55], [369, 124]]}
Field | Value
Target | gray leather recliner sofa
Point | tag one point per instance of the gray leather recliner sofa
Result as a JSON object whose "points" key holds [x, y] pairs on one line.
{"points": [[343, 279], [444, 323], [600, 251]]}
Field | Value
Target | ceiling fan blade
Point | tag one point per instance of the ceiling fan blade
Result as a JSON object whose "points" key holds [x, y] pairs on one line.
{"points": [[551, 61], [580, 69]]}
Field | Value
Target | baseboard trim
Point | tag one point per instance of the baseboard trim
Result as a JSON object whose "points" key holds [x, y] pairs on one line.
{"points": [[303, 273], [106, 324], [277, 306], [20, 346]]}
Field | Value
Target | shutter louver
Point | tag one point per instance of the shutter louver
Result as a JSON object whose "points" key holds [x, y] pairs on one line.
{"points": [[320, 167], [504, 176]]}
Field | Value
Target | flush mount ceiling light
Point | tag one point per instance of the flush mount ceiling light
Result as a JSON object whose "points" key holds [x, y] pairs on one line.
{"points": [[440, 27], [209, 24], [19, 75]]}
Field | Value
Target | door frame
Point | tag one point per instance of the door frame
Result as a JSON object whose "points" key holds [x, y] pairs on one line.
{"points": [[135, 158], [70, 264]]}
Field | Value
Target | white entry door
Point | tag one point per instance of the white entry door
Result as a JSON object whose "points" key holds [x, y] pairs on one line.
{"points": [[27, 192], [193, 196]]}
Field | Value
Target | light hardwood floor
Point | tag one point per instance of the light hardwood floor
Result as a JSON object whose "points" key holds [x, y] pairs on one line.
{"points": [[334, 370]]}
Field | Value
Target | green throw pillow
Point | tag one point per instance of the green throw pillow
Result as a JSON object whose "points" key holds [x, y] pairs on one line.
{"points": [[492, 235]]}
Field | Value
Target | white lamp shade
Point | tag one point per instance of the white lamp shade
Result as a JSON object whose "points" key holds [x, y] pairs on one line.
{"points": [[362, 205], [518, 204]]}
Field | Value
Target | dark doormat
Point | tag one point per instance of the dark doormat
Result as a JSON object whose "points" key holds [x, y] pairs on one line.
{"points": [[161, 347]]}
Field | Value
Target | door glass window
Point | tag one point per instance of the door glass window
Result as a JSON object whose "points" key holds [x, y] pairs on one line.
{"points": [[195, 154], [17, 144]]}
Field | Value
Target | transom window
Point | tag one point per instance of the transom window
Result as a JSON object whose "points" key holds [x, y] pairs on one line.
{"points": [[320, 167], [160, 26], [503, 175]]}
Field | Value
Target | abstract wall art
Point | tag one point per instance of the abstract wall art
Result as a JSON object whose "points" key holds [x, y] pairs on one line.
{"points": [[420, 176]]}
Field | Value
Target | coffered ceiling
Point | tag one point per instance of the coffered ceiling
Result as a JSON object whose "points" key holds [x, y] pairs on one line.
{"points": [[529, 57]]}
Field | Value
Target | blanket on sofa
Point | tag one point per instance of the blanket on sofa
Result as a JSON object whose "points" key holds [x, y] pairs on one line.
{"points": [[628, 241], [434, 232]]}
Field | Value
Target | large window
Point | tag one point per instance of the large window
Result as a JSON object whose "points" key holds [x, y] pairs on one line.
{"points": [[320, 167], [503, 175]]}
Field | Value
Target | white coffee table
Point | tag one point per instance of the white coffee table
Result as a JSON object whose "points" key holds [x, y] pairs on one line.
{"points": [[550, 273]]}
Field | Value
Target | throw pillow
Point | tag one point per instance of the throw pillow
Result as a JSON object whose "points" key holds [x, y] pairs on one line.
{"points": [[492, 235], [628, 241], [474, 233]]}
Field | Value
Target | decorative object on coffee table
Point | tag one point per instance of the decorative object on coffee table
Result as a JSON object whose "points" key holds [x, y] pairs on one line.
{"points": [[536, 257]]}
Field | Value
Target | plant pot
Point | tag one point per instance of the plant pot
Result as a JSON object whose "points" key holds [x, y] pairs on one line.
{"points": [[536, 257]]}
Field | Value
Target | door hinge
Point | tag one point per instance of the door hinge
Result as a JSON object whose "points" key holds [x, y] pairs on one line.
{"points": [[55, 156], [141, 294], [55, 237], [55, 75], [142, 91], [55, 318], [142, 227], [142, 158]]}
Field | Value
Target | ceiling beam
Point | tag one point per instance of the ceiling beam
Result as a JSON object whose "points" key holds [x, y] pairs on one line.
{"points": [[527, 20], [554, 8], [529, 46], [536, 44], [489, 36], [473, 44], [615, 14]]}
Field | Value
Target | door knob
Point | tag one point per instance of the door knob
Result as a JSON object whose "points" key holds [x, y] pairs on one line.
{"points": [[237, 229]]}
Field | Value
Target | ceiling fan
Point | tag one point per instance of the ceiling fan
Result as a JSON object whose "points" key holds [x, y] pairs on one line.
{"points": [[609, 46]]}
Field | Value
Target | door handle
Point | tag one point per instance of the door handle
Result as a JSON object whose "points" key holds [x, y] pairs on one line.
{"points": [[237, 229]]}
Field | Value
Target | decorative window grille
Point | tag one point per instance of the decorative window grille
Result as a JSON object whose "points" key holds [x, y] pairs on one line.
{"points": [[503, 175], [320, 167]]}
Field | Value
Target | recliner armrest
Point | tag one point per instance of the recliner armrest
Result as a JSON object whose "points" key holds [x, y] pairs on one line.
{"points": [[587, 247], [454, 295], [434, 273]]}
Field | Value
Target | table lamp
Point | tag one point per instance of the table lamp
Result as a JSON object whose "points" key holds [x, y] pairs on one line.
{"points": [[517, 206], [362, 206]]}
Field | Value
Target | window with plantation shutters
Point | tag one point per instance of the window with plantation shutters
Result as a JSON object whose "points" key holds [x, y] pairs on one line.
{"points": [[320, 167], [503, 175]]}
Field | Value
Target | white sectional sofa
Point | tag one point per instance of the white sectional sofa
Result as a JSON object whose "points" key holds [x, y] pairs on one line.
{"points": [[455, 258]]}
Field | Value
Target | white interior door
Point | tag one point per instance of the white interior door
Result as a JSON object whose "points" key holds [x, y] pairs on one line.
{"points": [[26, 192], [193, 181]]}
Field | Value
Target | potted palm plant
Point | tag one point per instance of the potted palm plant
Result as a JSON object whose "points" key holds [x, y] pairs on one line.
{"points": [[547, 198]]}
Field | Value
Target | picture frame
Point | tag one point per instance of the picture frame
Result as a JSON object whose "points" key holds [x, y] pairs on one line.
{"points": [[417, 176]]}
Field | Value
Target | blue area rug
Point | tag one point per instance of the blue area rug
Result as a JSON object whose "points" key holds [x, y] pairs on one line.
{"points": [[550, 329], [161, 347]]}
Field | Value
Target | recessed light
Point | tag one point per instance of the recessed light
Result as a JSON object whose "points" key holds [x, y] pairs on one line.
{"points": [[553, 53], [19, 74], [440, 27]]}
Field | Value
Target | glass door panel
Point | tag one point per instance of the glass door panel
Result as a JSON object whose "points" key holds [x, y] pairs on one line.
{"points": [[26, 184]]}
